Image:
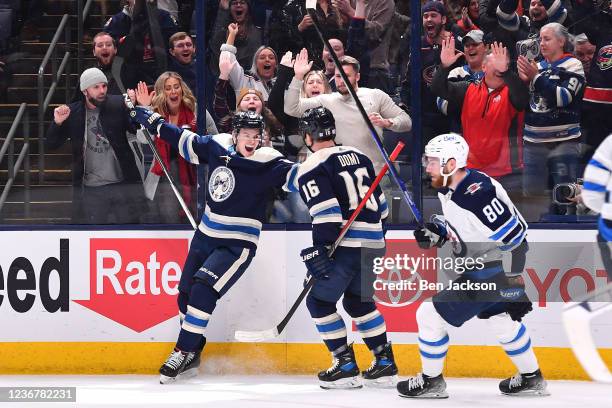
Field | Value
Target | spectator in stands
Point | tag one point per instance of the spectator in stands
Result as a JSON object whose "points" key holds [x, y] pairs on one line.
{"points": [[552, 123], [351, 128], [172, 99], [471, 72], [523, 30], [296, 29], [107, 183], [434, 21], [489, 111], [104, 50], [182, 61], [584, 51], [595, 20], [469, 17], [315, 83], [330, 67], [142, 40], [246, 40], [261, 73], [378, 27]]}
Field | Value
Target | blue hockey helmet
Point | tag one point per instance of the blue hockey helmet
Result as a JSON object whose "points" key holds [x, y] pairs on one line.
{"points": [[319, 123]]}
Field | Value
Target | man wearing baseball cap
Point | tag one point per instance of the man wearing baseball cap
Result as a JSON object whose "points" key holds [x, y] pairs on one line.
{"points": [[106, 181], [471, 72]]}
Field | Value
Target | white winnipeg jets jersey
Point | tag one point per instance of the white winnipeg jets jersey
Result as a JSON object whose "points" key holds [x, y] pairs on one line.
{"points": [[481, 218]]}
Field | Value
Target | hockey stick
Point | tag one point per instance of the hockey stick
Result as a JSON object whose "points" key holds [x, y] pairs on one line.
{"points": [[263, 335], [577, 317], [130, 105], [374, 134]]}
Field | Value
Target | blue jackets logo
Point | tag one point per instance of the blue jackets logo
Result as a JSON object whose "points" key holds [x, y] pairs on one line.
{"points": [[221, 184]]}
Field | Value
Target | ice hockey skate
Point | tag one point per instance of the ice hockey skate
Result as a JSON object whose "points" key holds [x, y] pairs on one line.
{"points": [[343, 374], [423, 386], [532, 384], [180, 364], [383, 371]]}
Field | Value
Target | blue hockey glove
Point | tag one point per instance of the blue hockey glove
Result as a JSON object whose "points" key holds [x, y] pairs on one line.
{"points": [[434, 234], [317, 262], [147, 118]]}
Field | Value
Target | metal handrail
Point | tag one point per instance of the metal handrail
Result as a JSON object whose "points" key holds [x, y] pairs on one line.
{"points": [[15, 166], [45, 100], [82, 12]]}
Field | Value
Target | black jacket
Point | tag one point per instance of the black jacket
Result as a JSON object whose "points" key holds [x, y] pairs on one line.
{"points": [[115, 121]]}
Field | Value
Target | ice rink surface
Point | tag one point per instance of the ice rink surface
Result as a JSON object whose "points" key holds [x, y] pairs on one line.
{"points": [[292, 391]]}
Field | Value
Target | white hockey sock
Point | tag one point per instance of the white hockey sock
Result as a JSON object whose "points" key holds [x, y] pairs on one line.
{"points": [[515, 341], [433, 339]]}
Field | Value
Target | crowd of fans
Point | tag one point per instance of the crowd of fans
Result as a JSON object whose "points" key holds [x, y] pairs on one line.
{"points": [[527, 83]]}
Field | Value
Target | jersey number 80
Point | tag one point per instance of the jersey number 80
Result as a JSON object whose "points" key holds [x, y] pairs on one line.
{"points": [[491, 211]]}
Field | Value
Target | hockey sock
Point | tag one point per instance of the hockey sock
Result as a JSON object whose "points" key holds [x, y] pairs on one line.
{"points": [[183, 300], [329, 323], [515, 341], [433, 339], [369, 321], [202, 301]]}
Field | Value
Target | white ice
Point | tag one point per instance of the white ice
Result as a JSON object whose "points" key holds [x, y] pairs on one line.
{"points": [[293, 391]]}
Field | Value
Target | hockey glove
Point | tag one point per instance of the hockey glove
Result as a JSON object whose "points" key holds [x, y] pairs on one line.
{"points": [[517, 304], [434, 234], [148, 119], [317, 262]]}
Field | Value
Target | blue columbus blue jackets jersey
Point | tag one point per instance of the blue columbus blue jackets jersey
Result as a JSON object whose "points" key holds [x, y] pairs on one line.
{"points": [[238, 187], [555, 104], [481, 218], [332, 182], [597, 188]]}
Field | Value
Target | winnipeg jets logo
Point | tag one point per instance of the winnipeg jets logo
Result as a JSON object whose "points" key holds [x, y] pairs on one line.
{"points": [[221, 184], [472, 188]]}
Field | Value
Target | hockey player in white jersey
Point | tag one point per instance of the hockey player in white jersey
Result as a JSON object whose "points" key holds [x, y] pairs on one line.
{"points": [[597, 195], [331, 182], [479, 221]]}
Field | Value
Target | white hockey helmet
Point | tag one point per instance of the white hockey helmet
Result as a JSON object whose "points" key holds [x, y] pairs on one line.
{"points": [[445, 147]]}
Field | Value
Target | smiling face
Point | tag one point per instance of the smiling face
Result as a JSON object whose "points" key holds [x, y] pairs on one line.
{"points": [[327, 59], [239, 11], [551, 46], [173, 94], [314, 84], [474, 53], [537, 12], [266, 64], [104, 49], [247, 141], [433, 22], [183, 50], [251, 102]]}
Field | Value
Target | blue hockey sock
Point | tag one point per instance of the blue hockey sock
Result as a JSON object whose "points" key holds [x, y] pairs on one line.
{"points": [[367, 318], [329, 323], [202, 301]]}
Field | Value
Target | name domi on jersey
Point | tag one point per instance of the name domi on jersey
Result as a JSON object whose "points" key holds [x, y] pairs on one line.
{"points": [[332, 182]]}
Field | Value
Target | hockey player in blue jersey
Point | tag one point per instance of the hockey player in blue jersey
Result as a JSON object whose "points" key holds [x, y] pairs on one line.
{"points": [[241, 177], [332, 182], [480, 221], [597, 195]]}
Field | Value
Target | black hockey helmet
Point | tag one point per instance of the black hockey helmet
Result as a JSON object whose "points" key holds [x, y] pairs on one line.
{"points": [[248, 120], [319, 123]]}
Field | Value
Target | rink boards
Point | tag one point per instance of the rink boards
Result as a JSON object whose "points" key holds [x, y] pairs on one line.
{"points": [[103, 302]]}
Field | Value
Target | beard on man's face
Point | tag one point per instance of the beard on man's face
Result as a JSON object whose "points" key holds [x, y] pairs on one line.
{"points": [[97, 101]]}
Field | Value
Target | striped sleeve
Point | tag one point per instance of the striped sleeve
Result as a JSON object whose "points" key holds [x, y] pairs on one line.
{"points": [[597, 180], [506, 15], [191, 146]]}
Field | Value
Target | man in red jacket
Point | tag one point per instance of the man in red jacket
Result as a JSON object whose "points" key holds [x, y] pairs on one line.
{"points": [[489, 110]]}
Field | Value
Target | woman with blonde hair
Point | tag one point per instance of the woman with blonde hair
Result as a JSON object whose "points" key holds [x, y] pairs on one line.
{"points": [[173, 99]]}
